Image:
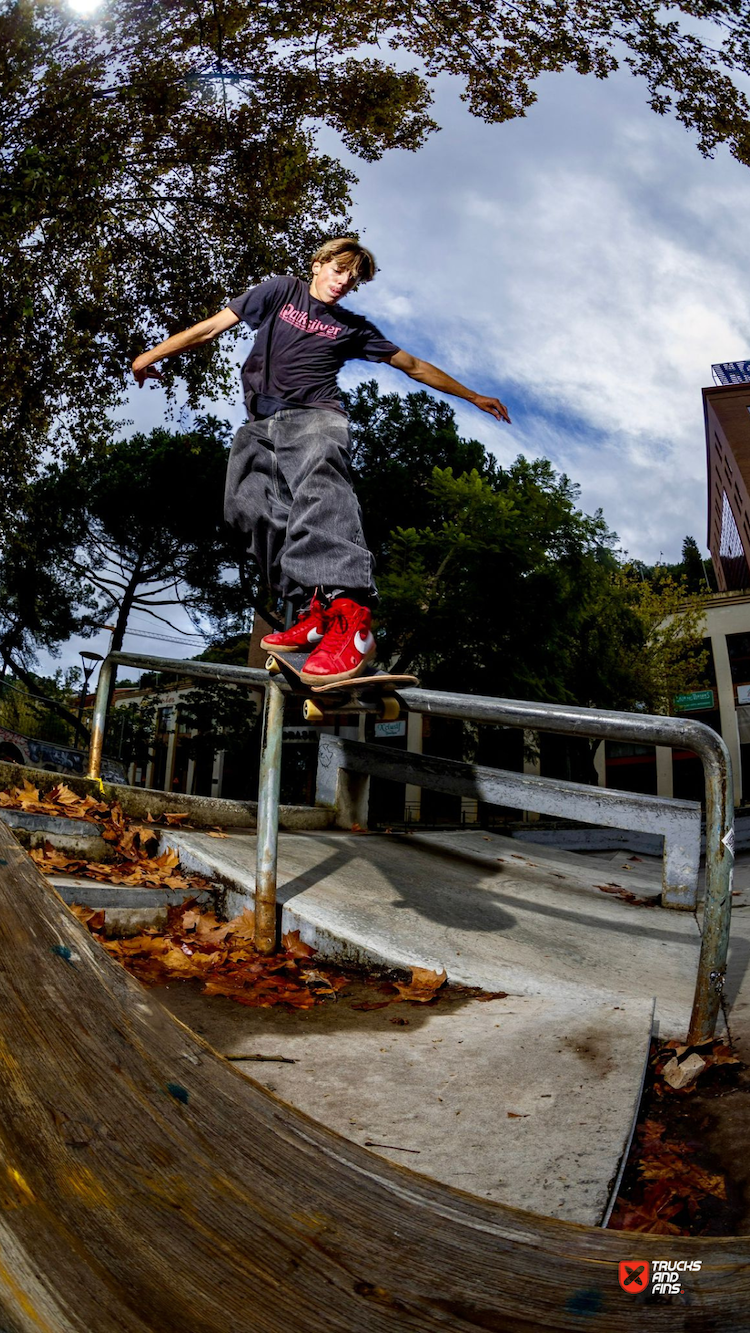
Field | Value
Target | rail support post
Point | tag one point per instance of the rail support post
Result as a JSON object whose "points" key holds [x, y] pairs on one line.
{"points": [[268, 820], [712, 964], [99, 722]]}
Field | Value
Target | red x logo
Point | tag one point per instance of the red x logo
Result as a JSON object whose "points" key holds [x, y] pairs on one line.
{"points": [[634, 1274]]}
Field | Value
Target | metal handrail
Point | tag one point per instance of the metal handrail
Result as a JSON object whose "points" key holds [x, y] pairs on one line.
{"points": [[654, 730], [591, 722]]}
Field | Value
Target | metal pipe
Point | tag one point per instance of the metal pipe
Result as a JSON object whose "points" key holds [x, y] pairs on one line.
{"points": [[646, 729], [218, 671], [268, 819], [99, 720], [717, 908]]}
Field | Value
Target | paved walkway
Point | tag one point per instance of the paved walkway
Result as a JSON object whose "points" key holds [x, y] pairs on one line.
{"points": [[530, 1099]]}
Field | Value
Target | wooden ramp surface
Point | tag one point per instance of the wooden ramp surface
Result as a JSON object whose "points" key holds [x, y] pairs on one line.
{"points": [[148, 1187]]}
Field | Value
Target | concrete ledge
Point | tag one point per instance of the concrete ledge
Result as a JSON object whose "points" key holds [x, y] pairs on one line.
{"points": [[90, 893], [138, 802]]}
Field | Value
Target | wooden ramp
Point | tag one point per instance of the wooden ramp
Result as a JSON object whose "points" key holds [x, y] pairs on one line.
{"points": [[148, 1187]]}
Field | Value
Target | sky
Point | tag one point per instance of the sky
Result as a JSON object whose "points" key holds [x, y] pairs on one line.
{"points": [[586, 265]]}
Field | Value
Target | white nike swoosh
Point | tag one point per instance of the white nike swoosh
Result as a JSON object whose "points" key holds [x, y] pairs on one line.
{"points": [[363, 644], [313, 636]]}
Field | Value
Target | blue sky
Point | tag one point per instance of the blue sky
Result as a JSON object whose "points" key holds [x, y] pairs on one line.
{"points": [[586, 265]]}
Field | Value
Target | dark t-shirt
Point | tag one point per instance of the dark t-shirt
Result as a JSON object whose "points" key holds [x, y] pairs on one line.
{"points": [[300, 346]]}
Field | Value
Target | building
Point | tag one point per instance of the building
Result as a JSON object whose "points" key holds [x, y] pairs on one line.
{"points": [[726, 407]]}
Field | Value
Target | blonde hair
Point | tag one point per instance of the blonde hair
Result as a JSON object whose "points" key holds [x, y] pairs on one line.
{"points": [[355, 257]]}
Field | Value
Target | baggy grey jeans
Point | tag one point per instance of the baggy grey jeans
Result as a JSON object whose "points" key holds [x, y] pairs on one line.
{"points": [[289, 488]]}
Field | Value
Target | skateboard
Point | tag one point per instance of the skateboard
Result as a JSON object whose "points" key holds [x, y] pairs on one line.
{"points": [[372, 691]]}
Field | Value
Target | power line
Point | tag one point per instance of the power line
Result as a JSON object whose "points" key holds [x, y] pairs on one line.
{"points": [[168, 638]]}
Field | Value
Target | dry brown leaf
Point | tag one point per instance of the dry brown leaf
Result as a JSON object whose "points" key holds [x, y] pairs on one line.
{"points": [[90, 916], [213, 833], [209, 930], [423, 986], [243, 927], [295, 947]]}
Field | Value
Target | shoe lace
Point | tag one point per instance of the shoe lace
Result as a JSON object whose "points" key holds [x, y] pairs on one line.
{"points": [[337, 628]]}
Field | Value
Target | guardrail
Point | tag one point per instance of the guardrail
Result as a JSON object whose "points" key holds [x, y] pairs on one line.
{"points": [[677, 822], [646, 729], [589, 722]]}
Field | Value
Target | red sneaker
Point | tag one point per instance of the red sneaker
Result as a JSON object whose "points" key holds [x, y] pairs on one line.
{"points": [[306, 632], [347, 647]]}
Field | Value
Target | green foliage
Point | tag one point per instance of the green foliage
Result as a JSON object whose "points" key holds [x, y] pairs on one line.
{"points": [[671, 658], [41, 604], [493, 581], [148, 531], [232, 650], [131, 730], [397, 441], [156, 162], [163, 157], [25, 709], [492, 596], [224, 718]]}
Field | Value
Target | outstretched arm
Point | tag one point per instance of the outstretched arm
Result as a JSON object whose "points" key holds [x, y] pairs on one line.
{"points": [[425, 373], [205, 332]]}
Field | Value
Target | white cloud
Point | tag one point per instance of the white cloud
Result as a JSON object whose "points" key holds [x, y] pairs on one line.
{"points": [[587, 265]]}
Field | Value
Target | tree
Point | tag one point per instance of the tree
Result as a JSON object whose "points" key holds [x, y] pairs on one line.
{"points": [[491, 597], [164, 156], [223, 717], [493, 581], [150, 534], [155, 162], [396, 442]]}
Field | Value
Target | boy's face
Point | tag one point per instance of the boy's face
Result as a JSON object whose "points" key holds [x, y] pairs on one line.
{"points": [[331, 281]]}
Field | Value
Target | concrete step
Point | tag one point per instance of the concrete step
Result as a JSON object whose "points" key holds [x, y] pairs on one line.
{"points": [[493, 915], [138, 802], [101, 894]]}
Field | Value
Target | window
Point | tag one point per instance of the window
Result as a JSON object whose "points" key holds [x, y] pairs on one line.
{"points": [[731, 550]]}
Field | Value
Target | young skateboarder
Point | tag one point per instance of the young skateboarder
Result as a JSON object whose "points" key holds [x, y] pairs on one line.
{"points": [[289, 487]]}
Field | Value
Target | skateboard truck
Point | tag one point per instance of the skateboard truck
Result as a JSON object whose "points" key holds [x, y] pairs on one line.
{"points": [[343, 696], [387, 708]]}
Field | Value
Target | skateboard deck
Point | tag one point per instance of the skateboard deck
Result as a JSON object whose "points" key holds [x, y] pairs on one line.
{"points": [[292, 664]]}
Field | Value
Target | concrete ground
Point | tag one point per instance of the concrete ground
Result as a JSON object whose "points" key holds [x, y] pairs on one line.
{"points": [[529, 921], [539, 1090], [528, 1099]]}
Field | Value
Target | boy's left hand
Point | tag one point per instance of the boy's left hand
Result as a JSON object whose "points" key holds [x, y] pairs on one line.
{"points": [[493, 406]]}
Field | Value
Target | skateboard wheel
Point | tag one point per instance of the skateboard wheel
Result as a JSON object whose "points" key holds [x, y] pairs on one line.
{"points": [[311, 712], [272, 667], [390, 709]]}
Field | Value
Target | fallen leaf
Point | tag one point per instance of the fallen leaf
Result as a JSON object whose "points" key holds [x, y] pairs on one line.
{"points": [[423, 986], [617, 891], [243, 927], [293, 945]]}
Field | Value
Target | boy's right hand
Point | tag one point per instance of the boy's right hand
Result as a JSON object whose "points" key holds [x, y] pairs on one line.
{"points": [[144, 372]]}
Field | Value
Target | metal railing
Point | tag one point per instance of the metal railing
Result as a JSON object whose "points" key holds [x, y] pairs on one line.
{"points": [[266, 854], [646, 729], [589, 722], [676, 823]]}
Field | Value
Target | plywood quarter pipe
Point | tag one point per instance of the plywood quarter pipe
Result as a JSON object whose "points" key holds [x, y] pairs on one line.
{"points": [[148, 1187]]}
